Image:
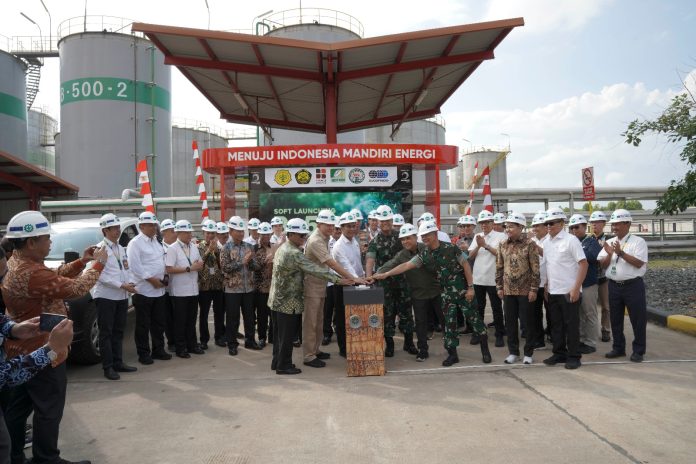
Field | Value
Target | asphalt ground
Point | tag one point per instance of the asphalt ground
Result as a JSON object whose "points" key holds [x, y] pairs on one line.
{"points": [[216, 408]]}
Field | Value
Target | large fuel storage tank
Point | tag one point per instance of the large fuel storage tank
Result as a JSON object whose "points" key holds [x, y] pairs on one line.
{"points": [[41, 133], [115, 107], [461, 176], [13, 106]]}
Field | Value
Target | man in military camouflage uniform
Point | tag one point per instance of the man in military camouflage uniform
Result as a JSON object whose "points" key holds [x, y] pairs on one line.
{"points": [[382, 248], [448, 262]]}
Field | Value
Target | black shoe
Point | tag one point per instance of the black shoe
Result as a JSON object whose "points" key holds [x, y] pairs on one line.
{"points": [[409, 347], [475, 339], [232, 350], [555, 359], [197, 350], [171, 347], [125, 368], [430, 334], [499, 341], [162, 356], [539, 346], [466, 330], [606, 337], [252, 345], [297, 343], [146, 360], [239, 335], [262, 343], [636, 358], [452, 357], [422, 356], [64, 461], [111, 374], [221, 343], [291, 371], [485, 352], [203, 346], [182, 354], [389, 350], [438, 328], [586, 349], [316, 362], [490, 324], [615, 354], [322, 355], [573, 363], [326, 340], [342, 353]]}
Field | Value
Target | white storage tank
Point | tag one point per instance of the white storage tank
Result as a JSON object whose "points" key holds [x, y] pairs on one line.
{"points": [[460, 178], [115, 111], [42, 130], [13, 106]]}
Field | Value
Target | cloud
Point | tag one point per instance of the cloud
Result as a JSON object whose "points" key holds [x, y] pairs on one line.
{"points": [[542, 16]]}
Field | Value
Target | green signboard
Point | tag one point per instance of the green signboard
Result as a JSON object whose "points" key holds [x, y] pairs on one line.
{"points": [[113, 88]]}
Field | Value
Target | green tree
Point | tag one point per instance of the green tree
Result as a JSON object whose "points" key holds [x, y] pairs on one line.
{"points": [[631, 205], [595, 207], [678, 123]]}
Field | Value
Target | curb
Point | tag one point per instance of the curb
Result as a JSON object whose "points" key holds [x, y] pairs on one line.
{"points": [[678, 322]]}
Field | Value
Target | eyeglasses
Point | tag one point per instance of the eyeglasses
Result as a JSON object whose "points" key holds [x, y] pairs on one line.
{"points": [[573, 227], [553, 223]]}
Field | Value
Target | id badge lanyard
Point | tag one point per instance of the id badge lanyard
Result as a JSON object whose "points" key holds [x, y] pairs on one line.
{"points": [[623, 247]]}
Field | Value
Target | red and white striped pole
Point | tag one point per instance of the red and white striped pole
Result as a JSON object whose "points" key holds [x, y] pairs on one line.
{"points": [[487, 198], [199, 181], [144, 181]]}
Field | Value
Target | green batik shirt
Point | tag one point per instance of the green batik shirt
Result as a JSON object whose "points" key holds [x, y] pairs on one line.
{"points": [[382, 248], [422, 281], [447, 261], [287, 281]]}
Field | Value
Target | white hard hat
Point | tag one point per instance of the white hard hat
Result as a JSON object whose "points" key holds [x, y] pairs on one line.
{"points": [[620, 215], [372, 214], [347, 218], [208, 226], [236, 223], [265, 228], [485, 215], [297, 225], [426, 227], [576, 219], [553, 214], [466, 220], [426, 217], [146, 217], [516, 218], [109, 220], [539, 218], [253, 224], [326, 216], [357, 214], [337, 224], [182, 225], [407, 230], [167, 224], [28, 224], [276, 221], [598, 216], [499, 218], [398, 220], [222, 228], [384, 213]]}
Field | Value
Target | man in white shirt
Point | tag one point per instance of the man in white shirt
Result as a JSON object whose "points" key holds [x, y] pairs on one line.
{"points": [[183, 261], [625, 259], [484, 251], [146, 266], [110, 295], [253, 227], [278, 236], [346, 251], [372, 224], [566, 267]]}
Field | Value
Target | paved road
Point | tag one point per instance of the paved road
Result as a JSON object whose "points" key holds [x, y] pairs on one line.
{"points": [[219, 409]]}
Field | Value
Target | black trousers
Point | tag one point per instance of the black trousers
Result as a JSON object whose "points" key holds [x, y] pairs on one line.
{"points": [[185, 309], [565, 326], [205, 299], [168, 320], [519, 307], [340, 318], [150, 322], [5, 444], [632, 296], [45, 396], [263, 314], [236, 305], [284, 333], [329, 313], [435, 316], [537, 309], [421, 310], [111, 319], [497, 306]]}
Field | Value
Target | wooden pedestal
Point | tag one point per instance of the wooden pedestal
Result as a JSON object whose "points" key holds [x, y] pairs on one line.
{"points": [[364, 331]]}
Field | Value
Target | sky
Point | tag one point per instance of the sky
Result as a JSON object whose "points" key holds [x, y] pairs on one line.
{"points": [[563, 87]]}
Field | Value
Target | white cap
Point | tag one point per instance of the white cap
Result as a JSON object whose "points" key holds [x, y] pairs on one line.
{"points": [[167, 224], [407, 230], [109, 220], [466, 220], [598, 216], [357, 214], [516, 218], [553, 214], [265, 228], [426, 217], [620, 215], [222, 228], [326, 216], [236, 223], [297, 225], [28, 224], [146, 217], [398, 220], [276, 221], [499, 218], [384, 213], [182, 225], [577, 219], [372, 214], [208, 226], [426, 227], [485, 215], [253, 224], [347, 218], [539, 218]]}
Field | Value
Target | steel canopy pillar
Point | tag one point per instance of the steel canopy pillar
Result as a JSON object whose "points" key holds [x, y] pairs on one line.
{"points": [[330, 106], [432, 190], [227, 190]]}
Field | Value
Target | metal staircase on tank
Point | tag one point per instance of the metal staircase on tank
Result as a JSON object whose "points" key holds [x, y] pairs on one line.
{"points": [[32, 51], [33, 74]]}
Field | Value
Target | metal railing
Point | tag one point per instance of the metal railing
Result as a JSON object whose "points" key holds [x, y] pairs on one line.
{"points": [[32, 44], [227, 133], [96, 24], [439, 120], [314, 16]]}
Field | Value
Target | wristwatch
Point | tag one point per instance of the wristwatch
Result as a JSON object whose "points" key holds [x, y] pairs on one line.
{"points": [[188, 269]]}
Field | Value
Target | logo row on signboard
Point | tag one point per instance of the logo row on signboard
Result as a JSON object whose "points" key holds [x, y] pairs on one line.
{"points": [[339, 177]]}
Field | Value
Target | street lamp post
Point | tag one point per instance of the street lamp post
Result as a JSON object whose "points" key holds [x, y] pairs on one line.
{"points": [[35, 24], [207, 7], [50, 26]]}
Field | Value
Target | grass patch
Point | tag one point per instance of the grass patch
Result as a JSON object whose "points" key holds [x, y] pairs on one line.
{"points": [[672, 264]]}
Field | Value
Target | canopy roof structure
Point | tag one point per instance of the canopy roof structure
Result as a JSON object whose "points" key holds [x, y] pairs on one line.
{"points": [[329, 87]]}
